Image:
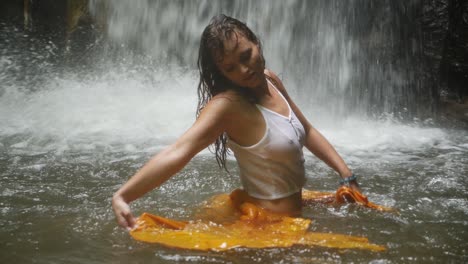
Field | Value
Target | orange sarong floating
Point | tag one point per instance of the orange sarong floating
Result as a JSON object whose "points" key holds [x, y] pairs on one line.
{"points": [[228, 222]]}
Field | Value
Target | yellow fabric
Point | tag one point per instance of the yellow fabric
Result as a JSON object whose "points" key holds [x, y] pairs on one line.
{"points": [[344, 194], [228, 221]]}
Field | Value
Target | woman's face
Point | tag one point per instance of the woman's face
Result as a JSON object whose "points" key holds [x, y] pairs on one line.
{"points": [[242, 62]]}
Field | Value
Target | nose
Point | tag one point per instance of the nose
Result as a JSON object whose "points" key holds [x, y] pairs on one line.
{"points": [[245, 72], [244, 69]]}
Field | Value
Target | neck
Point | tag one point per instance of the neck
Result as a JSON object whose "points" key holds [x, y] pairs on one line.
{"points": [[262, 89]]}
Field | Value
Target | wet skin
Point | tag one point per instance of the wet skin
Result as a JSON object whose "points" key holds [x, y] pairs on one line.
{"points": [[243, 64], [231, 113]]}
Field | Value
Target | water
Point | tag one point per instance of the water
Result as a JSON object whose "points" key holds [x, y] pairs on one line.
{"points": [[364, 56], [71, 135]]}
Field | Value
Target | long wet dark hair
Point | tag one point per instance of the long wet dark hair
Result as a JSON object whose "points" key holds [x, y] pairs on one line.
{"points": [[212, 81]]}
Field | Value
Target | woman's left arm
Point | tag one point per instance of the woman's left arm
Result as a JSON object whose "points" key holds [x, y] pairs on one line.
{"points": [[316, 142]]}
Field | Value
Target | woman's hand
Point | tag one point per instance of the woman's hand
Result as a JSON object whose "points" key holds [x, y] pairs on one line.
{"points": [[207, 128], [355, 186], [122, 213]]}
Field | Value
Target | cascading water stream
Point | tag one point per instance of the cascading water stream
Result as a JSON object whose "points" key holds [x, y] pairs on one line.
{"points": [[347, 54]]}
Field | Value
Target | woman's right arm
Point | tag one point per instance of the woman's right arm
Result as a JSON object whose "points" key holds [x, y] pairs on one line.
{"points": [[207, 128]]}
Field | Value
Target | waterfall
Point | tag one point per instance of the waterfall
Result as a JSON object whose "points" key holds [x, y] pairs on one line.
{"points": [[336, 57], [131, 76]]}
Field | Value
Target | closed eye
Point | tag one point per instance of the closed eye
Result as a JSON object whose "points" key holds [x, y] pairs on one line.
{"points": [[229, 69], [245, 55]]}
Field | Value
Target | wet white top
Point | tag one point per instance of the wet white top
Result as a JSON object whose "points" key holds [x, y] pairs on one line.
{"points": [[273, 168]]}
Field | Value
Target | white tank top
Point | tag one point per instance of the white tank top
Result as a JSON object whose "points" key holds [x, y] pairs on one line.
{"points": [[273, 168]]}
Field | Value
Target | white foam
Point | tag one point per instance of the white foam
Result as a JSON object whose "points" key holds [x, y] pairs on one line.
{"points": [[126, 107], [89, 112], [360, 135]]}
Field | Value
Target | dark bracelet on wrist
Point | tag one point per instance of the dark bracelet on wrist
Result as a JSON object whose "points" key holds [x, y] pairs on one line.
{"points": [[347, 180]]}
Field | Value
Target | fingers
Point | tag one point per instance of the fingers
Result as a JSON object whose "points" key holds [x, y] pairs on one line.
{"points": [[355, 186], [126, 220], [130, 221], [123, 214]]}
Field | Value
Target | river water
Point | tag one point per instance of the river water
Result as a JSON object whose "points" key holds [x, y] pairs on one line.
{"points": [[71, 135]]}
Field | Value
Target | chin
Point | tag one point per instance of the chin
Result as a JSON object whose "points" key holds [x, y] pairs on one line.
{"points": [[257, 79], [252, 84]]}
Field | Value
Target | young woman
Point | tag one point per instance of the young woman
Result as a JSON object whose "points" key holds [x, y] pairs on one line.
{"points": [[244, 107]]}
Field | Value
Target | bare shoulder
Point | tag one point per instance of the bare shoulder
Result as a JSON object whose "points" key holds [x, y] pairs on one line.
{"points": [[273, 75], [228, 99], [224, 104], [294, 107], [277, 81]]}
